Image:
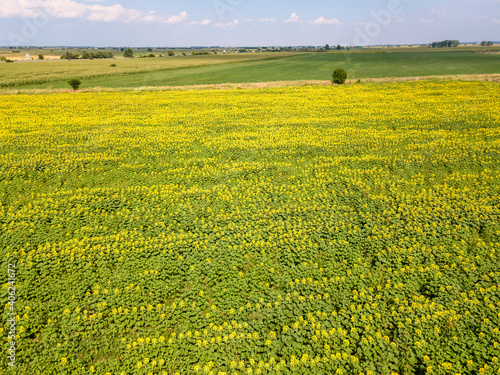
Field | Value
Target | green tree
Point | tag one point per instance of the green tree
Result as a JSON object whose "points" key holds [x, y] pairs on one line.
{"points": [[128, 53], [339, 76], [74, 83], [171, 53], [41, 57], [486, 43], [445, 43], [70, 56]]}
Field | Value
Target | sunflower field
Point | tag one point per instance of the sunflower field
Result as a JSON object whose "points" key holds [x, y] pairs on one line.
{"points": [[300, 230]]}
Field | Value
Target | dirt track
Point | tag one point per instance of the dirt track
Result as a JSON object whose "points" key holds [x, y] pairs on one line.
{"points": [[260, 85]]}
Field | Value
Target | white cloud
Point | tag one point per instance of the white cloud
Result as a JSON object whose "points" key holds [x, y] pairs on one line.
{"points": [[323, 20], [75, 9], [106, 14], [399, 18], [426, 20], [494, 20], [176, 19], [293, 18], [229, 24], [443, 11], [262, 20], [203, 23]]}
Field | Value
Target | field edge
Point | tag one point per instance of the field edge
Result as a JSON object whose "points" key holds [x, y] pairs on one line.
{"points": [[260, 85]]}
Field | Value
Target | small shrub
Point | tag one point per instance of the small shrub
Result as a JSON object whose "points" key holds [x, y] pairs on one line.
{"points": [[74, 83], [113, 65], [339, 76], [41, 57], [70, 56], [128, 53]]}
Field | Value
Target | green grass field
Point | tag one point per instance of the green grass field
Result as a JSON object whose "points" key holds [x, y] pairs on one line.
{"points": [[59, 71], [262, 68]]}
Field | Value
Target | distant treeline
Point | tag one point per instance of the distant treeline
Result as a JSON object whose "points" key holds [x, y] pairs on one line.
{"points": [[87, 55], [486, 43], [445, 43]]}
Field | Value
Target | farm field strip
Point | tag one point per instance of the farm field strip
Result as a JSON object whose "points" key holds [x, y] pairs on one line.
{"points": [[55, 72], [304, 66]]}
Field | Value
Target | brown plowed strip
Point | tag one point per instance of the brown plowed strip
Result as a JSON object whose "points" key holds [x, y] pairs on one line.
{"points": [[261, 85]]}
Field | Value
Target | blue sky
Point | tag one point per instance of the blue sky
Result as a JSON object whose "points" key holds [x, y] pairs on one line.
{"points": [[245, 22]]}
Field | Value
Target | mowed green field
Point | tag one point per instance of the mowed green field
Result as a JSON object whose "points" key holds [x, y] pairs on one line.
{"points": [[290, 67], [47, 72]]}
